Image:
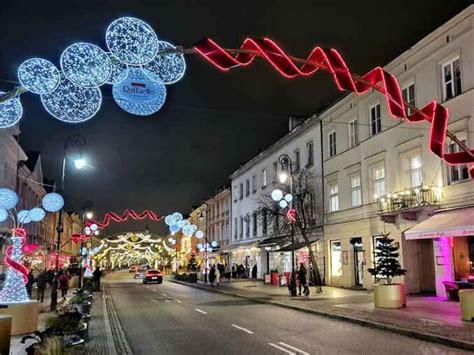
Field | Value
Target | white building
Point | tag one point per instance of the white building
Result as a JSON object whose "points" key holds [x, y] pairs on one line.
{"points": [[380, 175], [254, 241], [218, 229]]}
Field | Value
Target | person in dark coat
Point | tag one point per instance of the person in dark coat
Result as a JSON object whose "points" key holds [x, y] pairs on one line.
{"points": [[41, 282], [63, 283], [97, 274], [212, 275], [234, 271], [302, 278], [29, 283], [254, 271]]}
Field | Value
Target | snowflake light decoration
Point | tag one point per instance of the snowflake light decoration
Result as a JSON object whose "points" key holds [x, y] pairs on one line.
{"points": [[132, 41], [71, 103], [8, 198], [86, 65], [38, 75], [167, 68], [10, 111], [53, 202], [119, 71], [138, 95]]}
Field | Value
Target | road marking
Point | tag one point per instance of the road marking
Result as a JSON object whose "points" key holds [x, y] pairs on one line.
{"points": [[243, 329], [164, 294], [293, 348], [200, 310], [167, 300], [179, 301], [282, 349], [155, 300]]}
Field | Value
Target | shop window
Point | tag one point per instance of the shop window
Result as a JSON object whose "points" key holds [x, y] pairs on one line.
{"points": [[336, 258], [356, 191], [451, 76]]}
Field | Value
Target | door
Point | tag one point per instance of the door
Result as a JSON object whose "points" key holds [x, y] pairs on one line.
{"points": [[427, 269], [358, 261]]}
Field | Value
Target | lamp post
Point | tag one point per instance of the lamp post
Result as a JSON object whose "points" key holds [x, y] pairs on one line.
{"points": [[77, 141], [286, 201], [86, 214]]}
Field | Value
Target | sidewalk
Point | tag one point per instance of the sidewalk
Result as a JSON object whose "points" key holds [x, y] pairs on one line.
{"points": [[426, 318]]}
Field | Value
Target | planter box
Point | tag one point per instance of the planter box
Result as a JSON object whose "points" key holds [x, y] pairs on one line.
{"points": [[24, 316], [390, 296]]}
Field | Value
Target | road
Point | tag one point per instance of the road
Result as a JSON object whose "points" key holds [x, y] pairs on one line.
{"points": [[176, 319]]}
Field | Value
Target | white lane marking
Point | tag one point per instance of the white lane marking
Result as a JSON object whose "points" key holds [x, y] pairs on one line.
{"points": [[167, 300], [156, 301], [200, 310], [282, 349], [164, 294], [293, 348], [243, 329], [179, 301]]}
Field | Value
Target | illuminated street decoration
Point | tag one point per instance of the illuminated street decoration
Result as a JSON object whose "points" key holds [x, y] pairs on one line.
{"points": [[71, 103], [3, 215], [167, 68], [119, 71], [86, 65], [129, 213], [38, 75], [23, 217], [10, 111], [8, 198], [53, 202], [37, 214]]}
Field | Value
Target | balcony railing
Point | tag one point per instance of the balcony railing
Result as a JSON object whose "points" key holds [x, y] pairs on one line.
{"points": [[408, 199]]}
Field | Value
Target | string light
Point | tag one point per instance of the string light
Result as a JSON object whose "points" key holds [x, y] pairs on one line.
{"points": [[167, 68], [38, 75], [10, 111], [131, 40], [52, 202], [86, 65], [8, 198]]}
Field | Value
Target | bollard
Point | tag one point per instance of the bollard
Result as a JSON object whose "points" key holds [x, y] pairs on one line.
{"points": [[5, 333]]}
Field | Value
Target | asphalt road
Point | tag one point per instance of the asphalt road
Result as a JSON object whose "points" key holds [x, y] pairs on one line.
{"points": [[176, 319]]}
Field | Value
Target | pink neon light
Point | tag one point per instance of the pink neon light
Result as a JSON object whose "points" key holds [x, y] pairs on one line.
{"points": [[19, 232], [111, 216]]}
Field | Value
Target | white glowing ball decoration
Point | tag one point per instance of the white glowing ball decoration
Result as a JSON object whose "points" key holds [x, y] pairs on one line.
{"points": [[53, 202], [23, 217], [277, 195], [119, 71], [39, 76], [10, 111], [8, 198], [3, 215], [167, 68], [37, 214], [199, 234]]}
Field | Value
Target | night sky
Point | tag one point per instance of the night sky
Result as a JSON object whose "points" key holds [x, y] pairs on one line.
{"points": [[212, 122]]}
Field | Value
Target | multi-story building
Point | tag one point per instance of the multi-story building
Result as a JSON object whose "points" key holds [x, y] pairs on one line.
{"points": [[380, 176], [256, 238], [218, 230]]}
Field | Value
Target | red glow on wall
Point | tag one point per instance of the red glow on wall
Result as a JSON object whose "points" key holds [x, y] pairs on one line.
{"points": [[111, 216], [331, 61]]}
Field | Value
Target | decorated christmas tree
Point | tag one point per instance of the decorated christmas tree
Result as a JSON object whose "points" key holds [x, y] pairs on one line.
{"points": [[14, 289], [386, 260]]}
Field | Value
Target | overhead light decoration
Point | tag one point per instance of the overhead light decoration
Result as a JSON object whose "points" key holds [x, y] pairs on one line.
{"points": [[53, 202], [167, 68], [23, 217], [37, 214], [199, 234], [8, 198], [119, 71], [277, 195], [3, 215], [10, 111], [39, 76]]}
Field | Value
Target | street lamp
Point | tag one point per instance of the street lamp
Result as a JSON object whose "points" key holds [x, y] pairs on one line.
{"points": [[286, 201], [89, 214], [202, 215], [79, 163]]}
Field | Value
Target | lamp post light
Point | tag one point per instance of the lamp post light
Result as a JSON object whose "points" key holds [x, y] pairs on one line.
{"points": [[286, 201]]}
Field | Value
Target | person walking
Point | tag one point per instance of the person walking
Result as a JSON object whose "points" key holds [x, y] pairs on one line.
{"points": [[97, 274], [218, 276], [302, 278], [234, 271], [254, 271], [63, 283], [228, 272], [41, 282], [212, 275], [29, 283]]}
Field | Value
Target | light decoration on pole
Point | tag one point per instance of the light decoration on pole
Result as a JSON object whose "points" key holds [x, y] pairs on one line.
{"points": [[129, 213], [14, 289], [10, 111], [119, 71], [39, 76], [167, 68], [53, 202]]}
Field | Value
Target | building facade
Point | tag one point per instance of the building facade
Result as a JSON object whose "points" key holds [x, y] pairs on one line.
{"points": [[218, 229]]}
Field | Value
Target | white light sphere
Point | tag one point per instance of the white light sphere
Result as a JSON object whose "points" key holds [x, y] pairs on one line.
{"points": [[23, 217], [87, 231], [119, 70], [202, 250], [131, 40], [86, 65], [214, 243], [283, 204], [186, 222], [177, 217], [194, 227], [3, 215], [167, 68], [38, 75], [8, 198], [169, 220], [277, 195], [188, 230], [53, 202], [289, 197], [37, 214], [10, 111], [71, 103], [181, 224], [94, 227], [199, 234], [199, 246]]}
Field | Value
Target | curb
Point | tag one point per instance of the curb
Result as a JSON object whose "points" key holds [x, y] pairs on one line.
{"points": [[460, 344]]}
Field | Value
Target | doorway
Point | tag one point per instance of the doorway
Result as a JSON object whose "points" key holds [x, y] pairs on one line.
{"points": [[358, 262]]}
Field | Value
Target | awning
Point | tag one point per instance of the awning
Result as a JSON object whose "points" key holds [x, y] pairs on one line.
{"points": [[448, 223], [273, 241], [237, 246]]}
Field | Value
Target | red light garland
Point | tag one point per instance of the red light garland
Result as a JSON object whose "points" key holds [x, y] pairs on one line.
{"points": [[19, 232], [111, 216], [79, 238], [331, 61]]}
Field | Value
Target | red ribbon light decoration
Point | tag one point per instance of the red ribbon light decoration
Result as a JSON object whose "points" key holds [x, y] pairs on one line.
{"points": [[79, 238], [291, 215], [21, 233], [111, 216], [331, 61]]}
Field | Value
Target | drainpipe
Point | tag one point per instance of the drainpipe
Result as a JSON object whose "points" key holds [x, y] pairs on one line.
{"points": [[323, 192]]}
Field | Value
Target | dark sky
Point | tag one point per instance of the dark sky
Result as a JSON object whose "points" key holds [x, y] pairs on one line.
{"points": [[212, 122]]}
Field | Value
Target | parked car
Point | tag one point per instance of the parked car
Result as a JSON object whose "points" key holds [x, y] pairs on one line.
{"points": [[153, 276], [133, 268], [139, 274]]}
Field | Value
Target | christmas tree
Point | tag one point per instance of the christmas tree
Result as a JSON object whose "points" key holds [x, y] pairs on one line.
{"points": [[386, 260], [14, 289]]}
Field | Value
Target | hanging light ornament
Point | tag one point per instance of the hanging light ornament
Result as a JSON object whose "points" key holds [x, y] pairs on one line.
{"points": [[52, 202], [3, 215], [38, 75], [71, 103], [167, 68], [37, 214], [10, 111], [188, 230], [8, 198], [199, 234], [23, 217], [119, 70]]}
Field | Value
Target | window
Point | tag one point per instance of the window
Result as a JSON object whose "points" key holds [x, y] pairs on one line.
{"points": [[451, 73], [241, 227], [415, 171], [276, 226], [312, 202], [333, 198], [375, 120], [241, 191], [247, 187], [264, 177], [254, 223], [247, 225], [275, 171], [254, 184], [309, 147], [264, 221], [297, 160], [457, 172], [332, 143], [236, 227], [353, 133], [408, 94], [356, 191], [336, 258], [378, 178]]}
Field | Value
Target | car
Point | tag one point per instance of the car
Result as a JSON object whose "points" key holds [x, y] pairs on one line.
{"points": [[133, 268], [153, 276], [139, 274]]}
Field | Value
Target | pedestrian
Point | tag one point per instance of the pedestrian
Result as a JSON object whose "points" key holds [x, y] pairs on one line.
{"points": [[50, 276], [63, 283], [41, 282], [302, 278], [234, 271], [97, 274], [29, 283], [254, 271], [241, 271], [218, 276], [228, 272], [212, 275]]}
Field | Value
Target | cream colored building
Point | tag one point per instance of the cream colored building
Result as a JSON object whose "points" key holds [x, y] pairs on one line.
{"points": [[380, 176], [218, 225]]}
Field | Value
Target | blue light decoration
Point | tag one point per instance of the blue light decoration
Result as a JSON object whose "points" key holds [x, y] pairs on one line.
{"points": [[169, 220], [214, 244], [23, 217], [38, 75], [37, 214], [53, 202], [3, 215], [186, 223], [86, 65], [199, 246], [188, 231], [167, 68], [177, 217], [139, 95], [132, 41], [194, 227], [199, 234], [174, 228], [283, 204], [10, 111], [119, 71], [8, 198], [71, 103]]}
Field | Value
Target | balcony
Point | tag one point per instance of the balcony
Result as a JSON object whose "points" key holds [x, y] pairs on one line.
{"points": [[408, 203]]}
